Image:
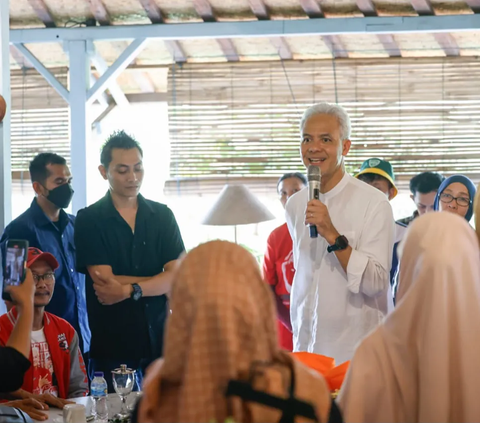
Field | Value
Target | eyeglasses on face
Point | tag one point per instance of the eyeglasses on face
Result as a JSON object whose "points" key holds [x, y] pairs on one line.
{"points": [[461, 201], [47, 277]]}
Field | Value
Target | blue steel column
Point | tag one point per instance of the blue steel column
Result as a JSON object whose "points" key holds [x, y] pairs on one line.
{"points": [[79, 132], [5, 151]]}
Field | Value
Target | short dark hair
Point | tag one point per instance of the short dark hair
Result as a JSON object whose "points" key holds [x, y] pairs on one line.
{"points": [[369, 178], [121, 140], [38, 166], [426, 182], [300, 176]]}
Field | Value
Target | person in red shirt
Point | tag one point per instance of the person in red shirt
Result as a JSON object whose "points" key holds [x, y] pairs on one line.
{"points": [[278, 267], [57, 370]]}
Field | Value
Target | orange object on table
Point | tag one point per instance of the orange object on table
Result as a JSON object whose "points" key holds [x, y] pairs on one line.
{"points": [[334, 375]]}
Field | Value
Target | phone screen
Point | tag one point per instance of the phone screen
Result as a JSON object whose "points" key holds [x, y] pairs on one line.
{"points": [[14, 269]]}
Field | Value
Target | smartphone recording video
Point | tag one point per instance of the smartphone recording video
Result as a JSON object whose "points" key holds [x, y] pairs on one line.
{"points": [[14, 268]]}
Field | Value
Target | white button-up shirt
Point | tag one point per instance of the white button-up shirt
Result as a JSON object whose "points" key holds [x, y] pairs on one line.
{"points": [[332, 310]]}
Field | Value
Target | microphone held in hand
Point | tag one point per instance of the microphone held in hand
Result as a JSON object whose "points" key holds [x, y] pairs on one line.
{"points": [[314, 178]]}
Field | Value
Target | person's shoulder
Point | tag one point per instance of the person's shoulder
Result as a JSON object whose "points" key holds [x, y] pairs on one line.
{"points": [[158, 208], [25, 219], [278, 232], [60, 322], [91, 210], [300, 197]]}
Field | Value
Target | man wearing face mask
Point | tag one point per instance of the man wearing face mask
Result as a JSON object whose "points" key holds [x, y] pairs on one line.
{"points": [[49, 228]]}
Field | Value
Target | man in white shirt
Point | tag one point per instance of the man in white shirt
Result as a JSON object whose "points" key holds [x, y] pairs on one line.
{"points": [[341, 285]]}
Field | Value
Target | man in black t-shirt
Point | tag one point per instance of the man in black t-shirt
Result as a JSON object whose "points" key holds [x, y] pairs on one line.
{"points": [[127, 246]]}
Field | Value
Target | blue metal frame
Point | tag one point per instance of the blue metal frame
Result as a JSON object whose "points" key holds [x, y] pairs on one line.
{"points": [[5, 148], [79, 83], [42, 70], [275, 28], [116, 68]]}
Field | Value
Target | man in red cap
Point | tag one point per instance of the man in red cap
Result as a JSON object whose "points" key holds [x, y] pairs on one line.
{"points": [[57, 369]]}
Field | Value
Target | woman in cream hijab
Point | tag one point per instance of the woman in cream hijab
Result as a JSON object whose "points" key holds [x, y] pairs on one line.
{"points": [[222, 328], [422, 364]]}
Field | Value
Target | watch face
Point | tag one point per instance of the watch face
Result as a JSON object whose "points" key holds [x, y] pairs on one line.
{"points": [[342, 242], [137, 292]]}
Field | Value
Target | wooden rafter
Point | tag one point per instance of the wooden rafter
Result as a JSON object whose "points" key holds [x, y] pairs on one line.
{"points": [[311, 8], [474, 5], [367, 7], [444, 39], [153, 11], [259, 9], [204, 9], [155, 15], [41, 10], [99, 12]]}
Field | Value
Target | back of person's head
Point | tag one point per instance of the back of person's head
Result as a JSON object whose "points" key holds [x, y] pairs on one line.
{"points": [[435, 243], [38, 166], [425, 182], [222, 329], [118, 140], [333, 109]]}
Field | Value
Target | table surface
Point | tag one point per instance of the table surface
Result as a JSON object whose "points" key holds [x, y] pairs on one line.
{"points": [[55, 415]]}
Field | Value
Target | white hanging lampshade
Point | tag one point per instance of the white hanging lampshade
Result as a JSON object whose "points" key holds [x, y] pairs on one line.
{"points": [[236, 205]]}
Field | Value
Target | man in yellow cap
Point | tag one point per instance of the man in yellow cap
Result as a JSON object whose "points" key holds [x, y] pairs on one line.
{"points": [[379, 174]]}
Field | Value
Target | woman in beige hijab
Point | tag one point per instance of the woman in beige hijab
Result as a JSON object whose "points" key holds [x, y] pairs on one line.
{"points": [[222, 329], [422, 364]]}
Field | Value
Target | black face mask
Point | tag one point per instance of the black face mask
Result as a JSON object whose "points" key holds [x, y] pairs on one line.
{"points": [[61, 196]]}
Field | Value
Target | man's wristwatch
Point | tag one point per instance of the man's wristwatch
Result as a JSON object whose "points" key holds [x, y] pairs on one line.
{"points": [[340, 244], [137, 292]]}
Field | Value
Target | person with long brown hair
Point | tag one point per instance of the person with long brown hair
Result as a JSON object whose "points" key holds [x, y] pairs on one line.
{"points": [[221, 337]]}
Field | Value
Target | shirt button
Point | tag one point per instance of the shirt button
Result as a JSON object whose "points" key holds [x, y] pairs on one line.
{"points": [[71, 270], [136, 267], [146, 305]]}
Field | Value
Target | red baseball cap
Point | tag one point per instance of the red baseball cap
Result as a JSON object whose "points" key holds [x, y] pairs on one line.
{"points": [[34, 254]]}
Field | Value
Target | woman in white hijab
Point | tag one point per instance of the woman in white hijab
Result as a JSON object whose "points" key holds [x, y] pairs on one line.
{"points": [[423, 363]]}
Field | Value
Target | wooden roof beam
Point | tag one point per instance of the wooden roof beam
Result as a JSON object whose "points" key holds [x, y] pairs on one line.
{"points": [[388, 41], [367, 8], [422, 7], [444, 39], [448, 43], [176, 51], [155, 15], [204, 9], [153, 11], [41, 10], [259, 9], [335, 45], [100, 12], [474, 5], [282, 47], [311, 8]]}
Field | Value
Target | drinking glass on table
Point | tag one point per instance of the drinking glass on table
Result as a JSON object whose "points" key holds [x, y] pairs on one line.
{"points": [[123, 380]]}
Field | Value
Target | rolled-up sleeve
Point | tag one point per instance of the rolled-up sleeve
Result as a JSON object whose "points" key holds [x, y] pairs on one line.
{"points": [[368, 269]]}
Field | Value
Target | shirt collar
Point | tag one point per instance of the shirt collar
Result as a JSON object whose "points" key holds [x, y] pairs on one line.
{"points": [[41, 219], [110, 210], [338, 188]]}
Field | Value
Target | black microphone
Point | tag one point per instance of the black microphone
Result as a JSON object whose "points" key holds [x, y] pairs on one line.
{"points": [[314, 178]]}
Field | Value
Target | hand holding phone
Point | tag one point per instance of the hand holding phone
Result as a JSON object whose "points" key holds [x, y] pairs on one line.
{"points": [[23, 295], [14, 270]]}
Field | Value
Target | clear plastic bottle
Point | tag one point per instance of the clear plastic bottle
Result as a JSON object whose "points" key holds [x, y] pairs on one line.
{"points": [[98, 391]]}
